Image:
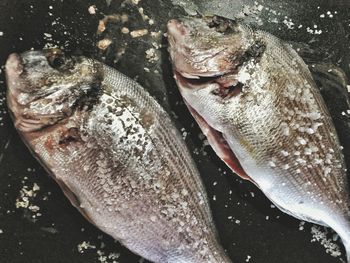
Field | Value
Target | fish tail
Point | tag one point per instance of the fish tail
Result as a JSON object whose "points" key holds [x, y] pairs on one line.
{"points": [[346, 244], [343, 230]]}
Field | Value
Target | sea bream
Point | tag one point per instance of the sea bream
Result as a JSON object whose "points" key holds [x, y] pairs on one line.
{"points": [[257, 103], [115, 153]]}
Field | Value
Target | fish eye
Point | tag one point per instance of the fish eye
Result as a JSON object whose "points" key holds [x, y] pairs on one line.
{"points": [[222, 25], [56, 62], [55, 58]]}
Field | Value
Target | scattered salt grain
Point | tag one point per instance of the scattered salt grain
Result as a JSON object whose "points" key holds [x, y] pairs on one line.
{"points": [[84, 246], [272, 164], [321, 237]]}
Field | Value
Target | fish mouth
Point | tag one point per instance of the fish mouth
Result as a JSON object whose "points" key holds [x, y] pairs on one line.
{"points": [[14, 64], [20, 91], [225, 86], [13, 69]]}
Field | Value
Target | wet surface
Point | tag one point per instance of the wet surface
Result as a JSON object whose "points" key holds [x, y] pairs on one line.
{"points": [[250, 228]]}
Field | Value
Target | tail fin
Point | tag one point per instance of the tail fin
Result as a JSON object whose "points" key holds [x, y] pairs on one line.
{"points": [[343, 230]]}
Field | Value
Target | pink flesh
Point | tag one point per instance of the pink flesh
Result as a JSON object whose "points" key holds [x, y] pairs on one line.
{"points": [[220, 146]]}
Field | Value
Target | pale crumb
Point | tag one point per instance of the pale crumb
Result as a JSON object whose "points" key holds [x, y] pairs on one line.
{"points": [[347, 86], [125, 30], [1, 231], [248, 258], [151, 55], [124, 18], [144, 17], [104, 43], [135, 2], [151, 22], [92, 9], [146, 69], [156, 45], [36, 187], [101, 26], [138, 33], [1, 33], [107, 19]]}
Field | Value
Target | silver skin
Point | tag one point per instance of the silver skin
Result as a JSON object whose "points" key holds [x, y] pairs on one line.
{"points": [[256, 100], [115, 153]]}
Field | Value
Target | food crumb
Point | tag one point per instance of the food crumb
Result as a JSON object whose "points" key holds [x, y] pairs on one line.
{"points": [[1, 231], [101, 26], [151, 55], [248, 258], [348, 87], [1, 33], [92, 9], [104, 43], [125, 30], [138, 33]]}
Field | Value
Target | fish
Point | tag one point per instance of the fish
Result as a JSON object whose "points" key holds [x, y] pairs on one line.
{"points": [[258, 105], [115, 153]]}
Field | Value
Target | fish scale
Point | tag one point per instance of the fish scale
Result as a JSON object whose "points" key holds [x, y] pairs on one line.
{"points": [[117, 157], [278, 110]]}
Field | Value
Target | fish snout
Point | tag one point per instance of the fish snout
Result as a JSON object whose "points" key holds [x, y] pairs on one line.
{"points": [[14, 65], [177, 30]]}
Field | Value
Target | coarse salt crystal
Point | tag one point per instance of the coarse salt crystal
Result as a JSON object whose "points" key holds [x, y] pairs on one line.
{"points": [[92, 9]]}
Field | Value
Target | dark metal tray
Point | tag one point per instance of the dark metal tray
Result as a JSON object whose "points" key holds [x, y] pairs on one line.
{"points": [[250, 228]]}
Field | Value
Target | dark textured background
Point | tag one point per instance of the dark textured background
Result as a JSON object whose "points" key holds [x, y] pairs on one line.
{"points": [[54, 236]]}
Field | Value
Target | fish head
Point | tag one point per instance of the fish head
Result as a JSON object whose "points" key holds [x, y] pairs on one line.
{"points": [[207, 46], [208, 55], [44, 87]]}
